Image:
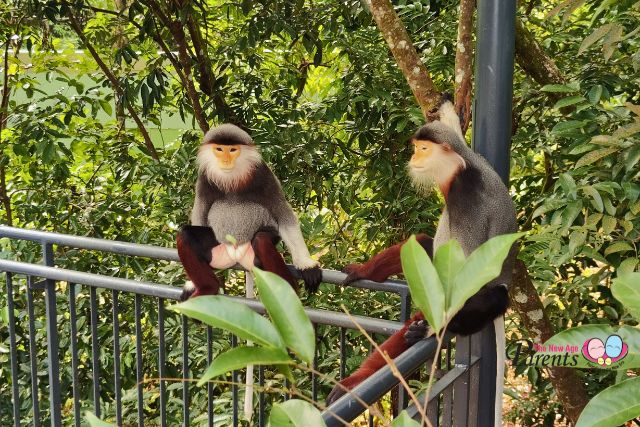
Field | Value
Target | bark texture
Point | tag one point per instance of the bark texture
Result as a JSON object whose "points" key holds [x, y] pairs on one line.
{"points": [[405, 54], [533, 60], [464, 63], [526, 302]]}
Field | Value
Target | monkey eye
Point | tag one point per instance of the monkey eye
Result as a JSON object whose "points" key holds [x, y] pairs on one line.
{"points": [[218, 148], [233, 150]]}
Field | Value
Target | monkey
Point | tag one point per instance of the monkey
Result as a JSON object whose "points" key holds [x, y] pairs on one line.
{"points": [[239, 215], [477, 207]]}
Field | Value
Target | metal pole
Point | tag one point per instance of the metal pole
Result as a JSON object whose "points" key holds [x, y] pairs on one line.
{"points": [[494, 82], [491, 138], [55, 404]]}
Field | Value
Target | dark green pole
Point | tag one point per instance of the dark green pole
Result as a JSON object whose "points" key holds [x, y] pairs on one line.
{"points": [[492, 138]]}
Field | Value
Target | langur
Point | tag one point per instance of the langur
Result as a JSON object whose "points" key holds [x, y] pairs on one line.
{"points": [[477, 208], [239, 215]]}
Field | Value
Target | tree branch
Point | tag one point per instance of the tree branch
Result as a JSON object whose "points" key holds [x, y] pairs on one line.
{"points": [[526, 302], [4, 194], [114, 83], [175, 27], [464, 63], [533, 60], [405, 54]]}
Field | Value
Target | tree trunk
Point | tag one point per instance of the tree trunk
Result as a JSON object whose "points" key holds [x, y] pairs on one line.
{"points": [[464, 63], [526, 302], [405, 54]]}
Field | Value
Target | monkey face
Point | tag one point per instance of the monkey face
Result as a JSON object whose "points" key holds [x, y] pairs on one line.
{"points": [[433, 163], [422, 151], [226, 155]]}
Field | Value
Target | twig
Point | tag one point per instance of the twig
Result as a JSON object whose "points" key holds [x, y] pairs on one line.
{"points": [[394, 369], [6, 200], [175, 27], [114, 83]]}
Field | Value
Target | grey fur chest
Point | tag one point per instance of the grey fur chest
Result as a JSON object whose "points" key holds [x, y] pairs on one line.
{"points": [[238, 219]]}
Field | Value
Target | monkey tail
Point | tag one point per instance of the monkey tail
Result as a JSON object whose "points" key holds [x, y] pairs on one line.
{"points": [[498, 325]]}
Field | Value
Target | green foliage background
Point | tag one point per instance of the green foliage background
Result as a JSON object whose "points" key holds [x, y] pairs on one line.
{"points": [[316, 85]]}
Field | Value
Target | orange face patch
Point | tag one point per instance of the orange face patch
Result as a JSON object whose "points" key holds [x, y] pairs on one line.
{"points": [[422, 150], [226, 155]]}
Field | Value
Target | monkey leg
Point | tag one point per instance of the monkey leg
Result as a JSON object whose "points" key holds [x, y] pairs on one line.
{"points": [[195, 244], [394, 346], [268, 258], [485, 306], [385, 263]]}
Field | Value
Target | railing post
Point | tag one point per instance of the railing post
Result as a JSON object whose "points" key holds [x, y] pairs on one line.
{"points": [[52, 340], [492, 138]]}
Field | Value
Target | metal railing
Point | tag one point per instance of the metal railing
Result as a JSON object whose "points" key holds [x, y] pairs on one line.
{"points": [[82, 381]]}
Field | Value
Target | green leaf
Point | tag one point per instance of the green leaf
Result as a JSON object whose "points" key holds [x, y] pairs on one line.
{"points": [[95, 421], [295, 412], [403, 420], [579, 335], [235, 317], [595, 93], [447, 261], [618, 247], [626, 289], [239, 357], [597, 199], [287, 314], [627, 266], [612, 406], [424, 283], [565, 102], [573, 87], [568, 126], [594, 156], [483, 265], [594, 37]]}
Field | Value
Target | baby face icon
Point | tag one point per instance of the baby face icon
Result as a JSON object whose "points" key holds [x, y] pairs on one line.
{"points": [[604, 353]]}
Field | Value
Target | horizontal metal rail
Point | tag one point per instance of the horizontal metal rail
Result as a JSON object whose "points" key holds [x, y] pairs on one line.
{"points": [[459, 380], [168, 254], [325, 317], [350, 406]]}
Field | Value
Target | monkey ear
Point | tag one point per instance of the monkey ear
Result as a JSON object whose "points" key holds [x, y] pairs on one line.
{"points": [[446, 147]]}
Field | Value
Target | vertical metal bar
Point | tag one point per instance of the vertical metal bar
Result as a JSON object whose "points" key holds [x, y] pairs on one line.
{"points": [[491, 138], [405, 305], [139, 374], [343, 337], [234, 385], [210, 384], [314, 377], [461, 384], [95, 350], [494, 82], [261, 403], [161, 364], [447, 394], [14, 352], [433, 406], [74, 354], [33, 355], [475, 345], [185, 371], [116, 358], [52, 341]]}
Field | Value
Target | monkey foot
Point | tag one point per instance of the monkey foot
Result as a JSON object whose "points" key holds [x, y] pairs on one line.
{"points": [[312, 278], [417, 331], [187, 290]]}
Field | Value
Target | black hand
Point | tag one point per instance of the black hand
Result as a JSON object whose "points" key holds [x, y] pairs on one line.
{"points": [[312, 278], [417, 331]]}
